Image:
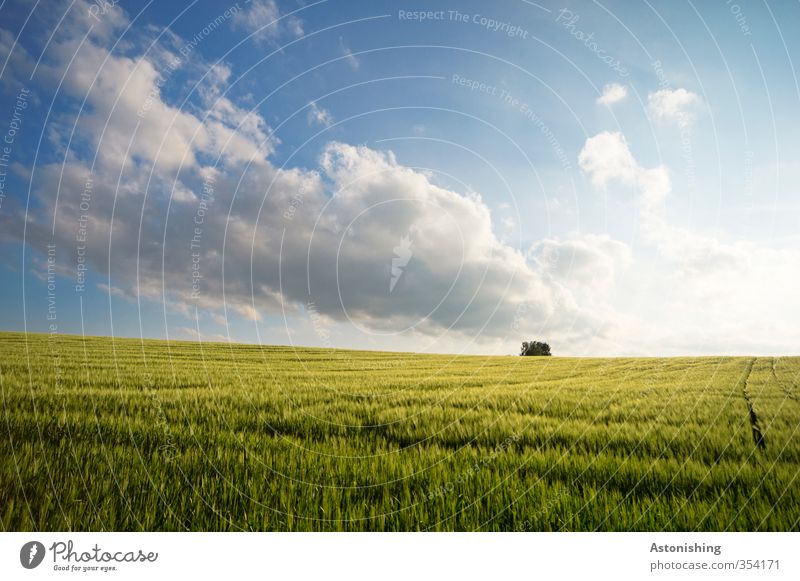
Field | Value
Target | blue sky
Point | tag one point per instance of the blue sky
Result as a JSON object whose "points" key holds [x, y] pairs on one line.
{"points": [[445, 176]]}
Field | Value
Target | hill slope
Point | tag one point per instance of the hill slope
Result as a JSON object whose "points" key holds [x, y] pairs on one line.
{"points": [[130, 435]]}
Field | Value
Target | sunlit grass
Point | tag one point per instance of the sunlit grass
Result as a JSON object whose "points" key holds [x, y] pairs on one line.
{"points": [[103, 434]]}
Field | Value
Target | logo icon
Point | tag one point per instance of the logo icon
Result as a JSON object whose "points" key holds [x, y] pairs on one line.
{"points": [[31, 555], [402, 254]]}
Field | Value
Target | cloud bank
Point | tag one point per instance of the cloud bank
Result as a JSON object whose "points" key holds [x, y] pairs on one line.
{"points": [[177, 200], [187, 208]]}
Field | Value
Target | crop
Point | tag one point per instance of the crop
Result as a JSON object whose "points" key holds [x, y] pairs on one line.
{"points": [[125, 434]]}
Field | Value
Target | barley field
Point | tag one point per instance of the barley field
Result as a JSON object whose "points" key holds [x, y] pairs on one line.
{"points": [[123, 434]]}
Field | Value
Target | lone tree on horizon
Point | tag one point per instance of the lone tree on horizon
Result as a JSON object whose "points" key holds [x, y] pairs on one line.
{"points": [[535, 348]]}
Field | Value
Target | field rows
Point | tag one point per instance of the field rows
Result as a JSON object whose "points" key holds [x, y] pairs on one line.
{"points": [[128, 435]]}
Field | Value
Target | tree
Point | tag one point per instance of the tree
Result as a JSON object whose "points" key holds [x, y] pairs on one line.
{"points": [[537, 348]]}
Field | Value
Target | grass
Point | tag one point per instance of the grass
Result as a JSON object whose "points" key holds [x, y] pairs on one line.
{"points": [[122, 434]]}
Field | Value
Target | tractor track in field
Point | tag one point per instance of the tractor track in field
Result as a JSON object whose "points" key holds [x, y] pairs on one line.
{"points": [[755, 426]]}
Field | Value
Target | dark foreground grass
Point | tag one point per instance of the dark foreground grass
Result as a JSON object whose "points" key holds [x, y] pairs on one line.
{"points": [[102, 434]]}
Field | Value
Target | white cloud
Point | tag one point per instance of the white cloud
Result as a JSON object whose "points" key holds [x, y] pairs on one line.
{"points": [[612, 93], [350, 58], [263, 19], [283, 237], [17, 62], [708, 296], [587, 263], [462, 279], [606, 157], [508, 223], [126, 118], [320, 115], [674, 106]]}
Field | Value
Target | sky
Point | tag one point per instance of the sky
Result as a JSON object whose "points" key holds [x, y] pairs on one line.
{"points": [[615, 178]]}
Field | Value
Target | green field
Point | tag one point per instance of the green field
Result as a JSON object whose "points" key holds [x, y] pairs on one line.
{"points": [[103, 434]]}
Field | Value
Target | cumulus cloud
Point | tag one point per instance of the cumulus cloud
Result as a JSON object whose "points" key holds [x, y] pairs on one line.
{"points": [[126, 119], [612, 93], [674, 106], [188, 210], [319, 115], [17, 62], [263, 19], [710, 296], [334, 251], [607, 158], [587, 263]]}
